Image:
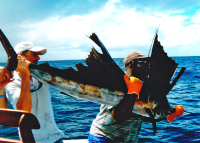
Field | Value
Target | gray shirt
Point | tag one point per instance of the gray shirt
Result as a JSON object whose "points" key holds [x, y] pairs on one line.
{"points": [[125, 132]]}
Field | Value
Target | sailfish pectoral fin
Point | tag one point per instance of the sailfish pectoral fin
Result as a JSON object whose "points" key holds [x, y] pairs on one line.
{"points": [[152, 119]]}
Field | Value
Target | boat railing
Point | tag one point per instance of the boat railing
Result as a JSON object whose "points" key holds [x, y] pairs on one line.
{"points": [[17, 118]]}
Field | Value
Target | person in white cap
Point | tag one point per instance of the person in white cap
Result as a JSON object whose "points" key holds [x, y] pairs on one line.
{"points": [[28, 94], [119, 124]]}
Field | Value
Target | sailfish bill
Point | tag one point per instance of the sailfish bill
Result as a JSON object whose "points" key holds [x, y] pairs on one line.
{"points": [[102, 80]]}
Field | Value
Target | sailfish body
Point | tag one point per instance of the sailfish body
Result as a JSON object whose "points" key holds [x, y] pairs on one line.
{"points": [[102, 80]]}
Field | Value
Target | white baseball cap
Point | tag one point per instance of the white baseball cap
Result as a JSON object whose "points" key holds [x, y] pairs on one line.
{"points": [[28, 45]]}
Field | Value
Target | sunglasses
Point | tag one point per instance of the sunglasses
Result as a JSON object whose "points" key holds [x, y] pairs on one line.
{"points": [[139, 61]]}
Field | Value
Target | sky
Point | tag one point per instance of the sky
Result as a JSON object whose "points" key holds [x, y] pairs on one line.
{"points": [[62, 26]]}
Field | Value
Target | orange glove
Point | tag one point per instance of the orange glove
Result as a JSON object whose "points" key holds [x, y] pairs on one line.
{"points": [[134, 85], [179, 111]]}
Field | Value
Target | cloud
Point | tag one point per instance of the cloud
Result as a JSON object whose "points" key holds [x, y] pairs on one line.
{"points": [[116, 27]]}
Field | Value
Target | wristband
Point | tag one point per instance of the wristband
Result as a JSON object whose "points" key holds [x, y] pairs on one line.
{"points": [[2, 96]]}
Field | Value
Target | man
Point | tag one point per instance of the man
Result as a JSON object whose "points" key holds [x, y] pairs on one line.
{"points": [[5, 78], [28, 94], [118, 124]]}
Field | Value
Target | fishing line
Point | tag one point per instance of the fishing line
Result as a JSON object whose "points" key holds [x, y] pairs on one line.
{"points": [[153, 40], [188, 112], [148, 68], [149, 103]]}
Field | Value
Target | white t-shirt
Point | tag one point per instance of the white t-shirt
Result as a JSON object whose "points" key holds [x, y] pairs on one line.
{"points": [[41, 108]]}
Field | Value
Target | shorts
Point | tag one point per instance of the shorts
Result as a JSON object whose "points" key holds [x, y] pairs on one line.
{"points": [[94, 139]]}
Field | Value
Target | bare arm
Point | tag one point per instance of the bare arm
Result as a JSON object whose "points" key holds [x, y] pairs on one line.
{"points": [[124, 109], [3, 101], [24, 102], [5, 78]]}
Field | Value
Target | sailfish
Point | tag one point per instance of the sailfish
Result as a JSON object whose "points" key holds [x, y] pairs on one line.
{"points": [[101, 80]]}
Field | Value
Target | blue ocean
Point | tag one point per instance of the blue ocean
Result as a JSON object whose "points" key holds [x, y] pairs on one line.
{"points": [[74, 116]]}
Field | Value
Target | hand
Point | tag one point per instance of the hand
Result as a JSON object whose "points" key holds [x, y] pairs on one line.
{"points": [[179, 111], [134, 85], [5, 77], [23, 67]]}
